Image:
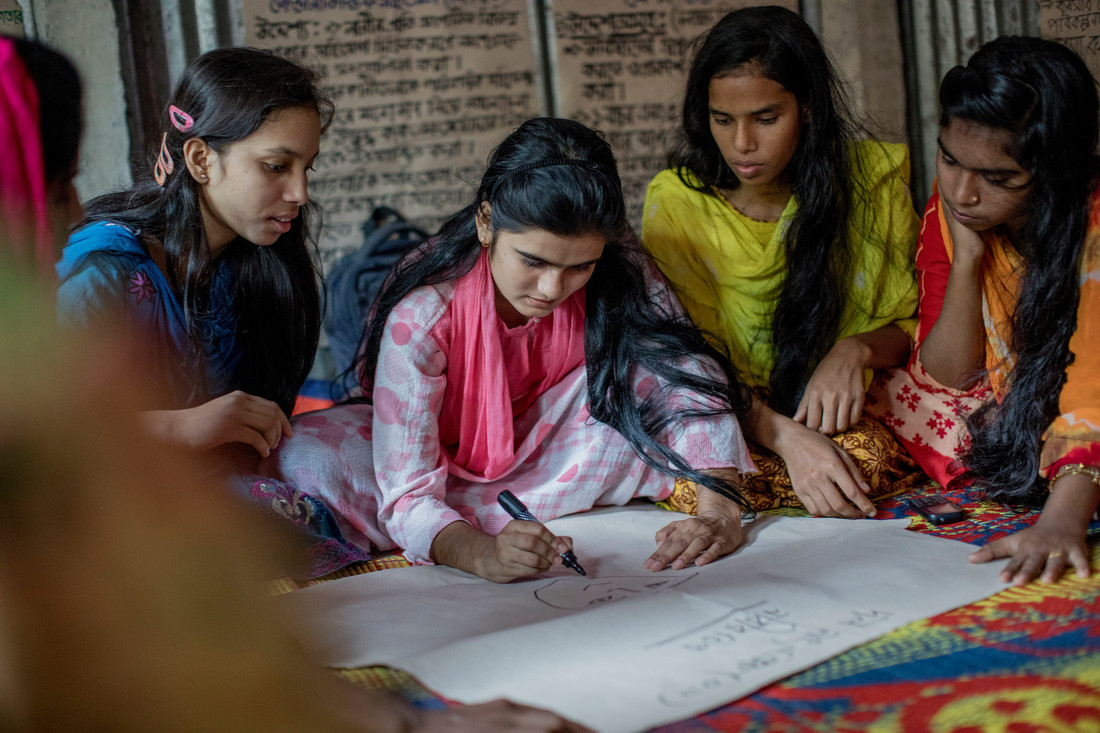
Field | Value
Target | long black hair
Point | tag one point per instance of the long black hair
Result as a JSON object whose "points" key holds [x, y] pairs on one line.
{"points": [[626, 327], [230, 93], [1043, 94], [778, 44]]}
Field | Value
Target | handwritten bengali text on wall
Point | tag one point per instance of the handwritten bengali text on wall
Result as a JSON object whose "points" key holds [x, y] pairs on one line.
{"points": [[11, 18], [424, 89], [1075, 23]]}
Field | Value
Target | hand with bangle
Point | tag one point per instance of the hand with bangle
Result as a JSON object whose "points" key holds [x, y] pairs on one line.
{"points": [[1057, 539]]}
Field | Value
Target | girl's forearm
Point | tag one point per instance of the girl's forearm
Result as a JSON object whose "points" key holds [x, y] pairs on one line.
{"points": [[884, 347], [1072, 502], [954, 351], [764, 426], [714, 504], [458, 545]]}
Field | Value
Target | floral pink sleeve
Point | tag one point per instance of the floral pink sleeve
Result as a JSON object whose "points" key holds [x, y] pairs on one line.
{"points": [[409, 463]]}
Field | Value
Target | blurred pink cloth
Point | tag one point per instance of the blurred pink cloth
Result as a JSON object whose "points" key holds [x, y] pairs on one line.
{"points": [[24, 224]]}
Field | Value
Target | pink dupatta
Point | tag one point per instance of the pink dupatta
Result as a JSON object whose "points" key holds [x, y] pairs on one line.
{"points": [[25, 224], [494, 373]]}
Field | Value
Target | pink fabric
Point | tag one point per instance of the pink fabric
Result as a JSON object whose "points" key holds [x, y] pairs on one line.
{"points": [[495, 373], [25, 224]]}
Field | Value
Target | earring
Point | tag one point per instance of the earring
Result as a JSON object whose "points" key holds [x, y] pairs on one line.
{"points": [[202, 176], [484, 243]]}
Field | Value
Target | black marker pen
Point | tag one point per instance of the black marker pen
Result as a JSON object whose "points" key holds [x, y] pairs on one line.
{"points": [[516, 510]]}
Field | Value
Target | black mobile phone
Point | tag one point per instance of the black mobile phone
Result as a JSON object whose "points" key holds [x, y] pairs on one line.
{"points": [[936, 509]]}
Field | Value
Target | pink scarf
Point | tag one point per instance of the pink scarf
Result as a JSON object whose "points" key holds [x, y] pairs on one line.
{"points": [[494, 373], [25, 224]]}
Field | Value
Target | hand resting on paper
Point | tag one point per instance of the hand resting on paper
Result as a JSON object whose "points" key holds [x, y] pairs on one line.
{"points": [[714, 533], [520, 550]]}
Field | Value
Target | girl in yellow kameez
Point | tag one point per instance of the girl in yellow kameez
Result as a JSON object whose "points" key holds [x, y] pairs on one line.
{"points": [[792, 245]]}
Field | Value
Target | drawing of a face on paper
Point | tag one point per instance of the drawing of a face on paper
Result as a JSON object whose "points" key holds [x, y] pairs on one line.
{"points": [[578, 593]]}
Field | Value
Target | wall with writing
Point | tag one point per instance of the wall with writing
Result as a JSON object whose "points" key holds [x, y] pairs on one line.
{"points": [[620, 66], [423, 89], [11, 18], [1075, 23]]}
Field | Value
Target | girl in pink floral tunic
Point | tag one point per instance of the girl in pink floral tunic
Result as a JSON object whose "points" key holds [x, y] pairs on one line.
{"points": [[549, 361]]}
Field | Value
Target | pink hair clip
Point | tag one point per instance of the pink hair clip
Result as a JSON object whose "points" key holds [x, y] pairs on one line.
{"points": [[164, 165], [180, 119]]}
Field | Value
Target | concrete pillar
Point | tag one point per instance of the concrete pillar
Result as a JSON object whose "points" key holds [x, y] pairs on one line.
{"points": [[865, 42], [86, 31]]}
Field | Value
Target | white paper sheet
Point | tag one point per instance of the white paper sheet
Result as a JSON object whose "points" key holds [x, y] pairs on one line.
{"points": [[625, 649]]}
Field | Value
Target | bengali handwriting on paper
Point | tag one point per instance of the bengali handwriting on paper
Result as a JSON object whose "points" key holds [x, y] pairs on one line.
{"points": [[621, 68], [1076, 23], [424, 89], [753, 641], [777, 625]]}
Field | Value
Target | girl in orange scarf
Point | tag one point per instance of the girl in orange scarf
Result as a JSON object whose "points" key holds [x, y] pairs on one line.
{"points": [[1009, 268]]}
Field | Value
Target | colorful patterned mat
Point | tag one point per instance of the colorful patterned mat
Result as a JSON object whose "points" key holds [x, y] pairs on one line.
{"points": [[1026, 660]]}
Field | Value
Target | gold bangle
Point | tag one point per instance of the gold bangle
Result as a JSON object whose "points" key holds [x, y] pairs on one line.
{"points": [[1073, 469]]}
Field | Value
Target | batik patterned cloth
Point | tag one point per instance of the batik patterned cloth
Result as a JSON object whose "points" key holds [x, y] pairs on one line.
{"points": [[326, 550], [885, 466], [383, 470]]}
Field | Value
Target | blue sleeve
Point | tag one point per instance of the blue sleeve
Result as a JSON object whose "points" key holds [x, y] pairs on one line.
{"points": [[94, 294]]}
